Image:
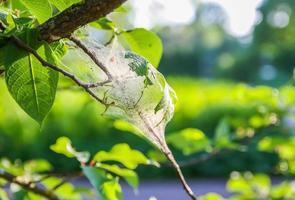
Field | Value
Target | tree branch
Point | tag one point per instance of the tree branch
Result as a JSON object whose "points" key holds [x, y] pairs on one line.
{"points": [[28, 186], [65, 23]]}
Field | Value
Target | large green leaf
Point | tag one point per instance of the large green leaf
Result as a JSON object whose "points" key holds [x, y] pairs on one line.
{"points": [[41, 9], [124, 154], [32, 85], [107, 187], [63, 4], [144, 43]]}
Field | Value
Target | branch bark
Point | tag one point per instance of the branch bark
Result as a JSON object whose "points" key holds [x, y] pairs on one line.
{"points": [[65, 23], [28, 186]]}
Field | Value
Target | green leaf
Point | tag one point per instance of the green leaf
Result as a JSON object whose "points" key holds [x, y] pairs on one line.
{"points": [[108, 188], [222, 137], [65, 191], [3, 194], [37, 166], [41, 9], [237, 183], [32, 85], [282, 191], [144, 43], [248, 185], [124, 154], [137, 64], [222, 133], [17, 5], [20, 194], [129, 175], [189, 140], [157, 156], [63, 146], [9, 23], [95, 176], [63, 4], [59, 48], [111, 190]]}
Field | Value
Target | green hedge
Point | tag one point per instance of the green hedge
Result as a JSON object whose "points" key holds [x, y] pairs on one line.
{"points": [[202, 104]]}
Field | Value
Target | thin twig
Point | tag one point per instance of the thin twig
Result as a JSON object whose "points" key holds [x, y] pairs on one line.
{"points": [[174, 163], [86, 50], [167, 152], [48, 194], [29, 49]]}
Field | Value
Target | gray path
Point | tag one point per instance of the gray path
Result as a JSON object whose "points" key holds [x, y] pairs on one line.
{"points": [[169, 189], [172, 190]]}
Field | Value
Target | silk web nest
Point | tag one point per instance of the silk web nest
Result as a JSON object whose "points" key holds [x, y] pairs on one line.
{"points": [[136, 93]]}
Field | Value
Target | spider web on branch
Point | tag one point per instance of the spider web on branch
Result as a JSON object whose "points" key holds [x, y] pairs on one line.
{"points": [[137, 92]]}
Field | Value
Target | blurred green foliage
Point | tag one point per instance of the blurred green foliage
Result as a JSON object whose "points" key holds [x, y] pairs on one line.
{"points": [[216, 114], [103, 170], [257, 186]]}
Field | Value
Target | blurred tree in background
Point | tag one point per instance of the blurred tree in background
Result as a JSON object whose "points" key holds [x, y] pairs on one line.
{"points": [[205, 49]]}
